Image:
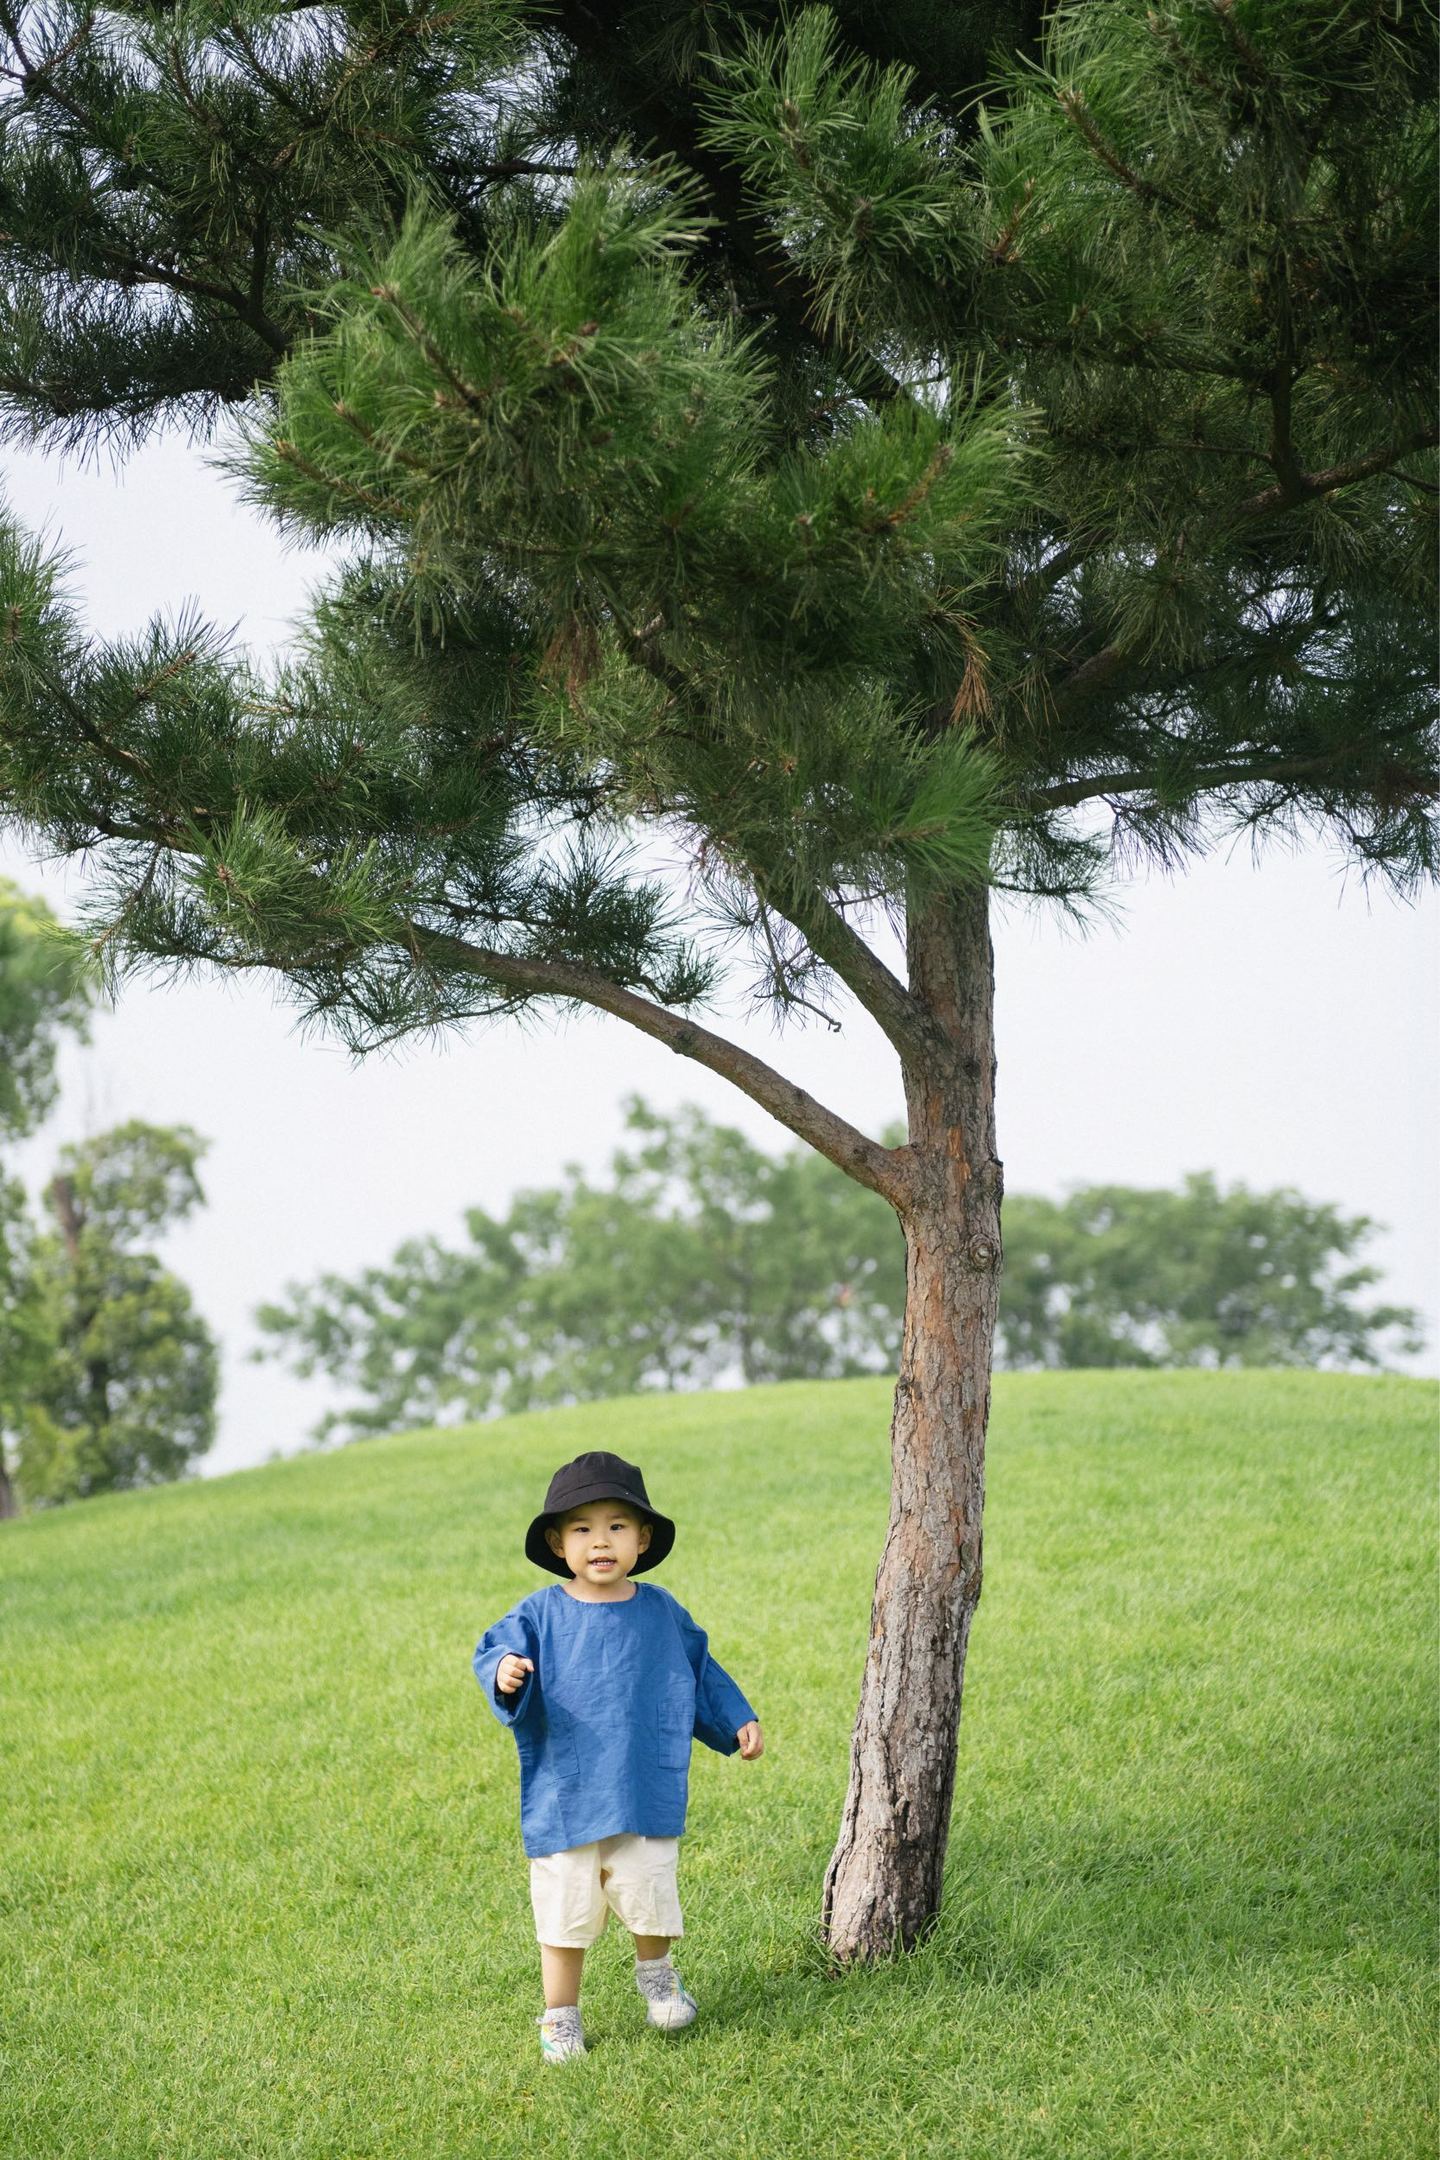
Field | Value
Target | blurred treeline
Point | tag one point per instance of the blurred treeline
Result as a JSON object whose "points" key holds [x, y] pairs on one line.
{"points": [[702, 1259]]}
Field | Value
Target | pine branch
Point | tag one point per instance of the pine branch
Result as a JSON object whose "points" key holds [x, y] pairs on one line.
{"points": [[33, 76], [880, 1169], [1100, 668], [1091, 675], [1303, 486], [1150, 357], [1220, 775], [1074, 108], [673, 126], [898, 1014], [132, 270], [487, 173], [890, 1005]]}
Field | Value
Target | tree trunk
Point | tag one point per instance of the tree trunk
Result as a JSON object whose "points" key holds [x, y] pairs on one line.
{"points": [[882, 1888]]}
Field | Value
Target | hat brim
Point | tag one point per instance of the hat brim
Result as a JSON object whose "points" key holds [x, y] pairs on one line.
{"points": [[662, 1532]]}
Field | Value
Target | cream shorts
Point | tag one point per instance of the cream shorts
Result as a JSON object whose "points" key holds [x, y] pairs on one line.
{"points": [[573, 1892]]}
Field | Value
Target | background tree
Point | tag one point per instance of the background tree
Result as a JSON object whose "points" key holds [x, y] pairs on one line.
{"points": [[1114, 1275], [45, 993], [703, 1257], [706, 1259], [756, 438], [128, 1396]]}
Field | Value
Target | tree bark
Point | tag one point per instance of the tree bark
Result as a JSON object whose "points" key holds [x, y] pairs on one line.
{"points": [[882, 1888]]}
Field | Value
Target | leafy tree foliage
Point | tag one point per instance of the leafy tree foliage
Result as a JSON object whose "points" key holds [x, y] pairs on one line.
{"points": [[107, 1375], [45, 993], [865, 482], [121, 1391], [1114, 1275], [705, 1258]]}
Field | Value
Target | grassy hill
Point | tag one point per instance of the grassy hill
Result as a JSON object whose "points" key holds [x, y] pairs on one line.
{"points": [[263, 1892]]}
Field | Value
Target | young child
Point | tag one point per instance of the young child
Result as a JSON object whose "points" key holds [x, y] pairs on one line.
{"points": [[603, 1682]]}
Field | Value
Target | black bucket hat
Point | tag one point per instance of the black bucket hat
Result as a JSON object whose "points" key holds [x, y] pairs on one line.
{"points": [[597, 1477]]}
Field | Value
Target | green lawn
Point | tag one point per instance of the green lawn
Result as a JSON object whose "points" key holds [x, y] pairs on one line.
{"points": [[263, 1892]]}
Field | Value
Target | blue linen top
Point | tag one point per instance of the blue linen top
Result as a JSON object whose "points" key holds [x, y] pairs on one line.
{"points": [[605, 1721]]}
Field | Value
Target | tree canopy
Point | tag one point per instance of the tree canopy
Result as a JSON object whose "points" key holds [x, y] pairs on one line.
{"points": [[872, 456], [1119, 1275]]}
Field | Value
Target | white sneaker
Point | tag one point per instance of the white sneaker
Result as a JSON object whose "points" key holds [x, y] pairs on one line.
{"points": [[561, 2035], [668, 2004]]}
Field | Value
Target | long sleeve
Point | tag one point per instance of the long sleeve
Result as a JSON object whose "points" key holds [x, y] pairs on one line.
{"points": [[515, 1633], [720, 1708]]}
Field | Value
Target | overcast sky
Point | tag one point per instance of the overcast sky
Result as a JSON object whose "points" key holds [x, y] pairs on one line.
{"points": [[1276, 1024]]}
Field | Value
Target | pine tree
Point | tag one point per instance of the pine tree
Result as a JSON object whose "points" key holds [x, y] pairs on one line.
{"points": [[893, 456]]}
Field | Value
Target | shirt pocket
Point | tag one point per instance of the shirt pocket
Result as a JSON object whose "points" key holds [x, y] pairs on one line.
{"points": [[676, 1713], [559, 1748]]}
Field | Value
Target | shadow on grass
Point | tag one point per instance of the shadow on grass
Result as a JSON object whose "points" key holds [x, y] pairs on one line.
{"points": [[1201, 1898], [1195, 1897]]}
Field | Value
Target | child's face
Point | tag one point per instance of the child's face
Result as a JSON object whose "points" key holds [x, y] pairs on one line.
{"points": [[601, 1543]]}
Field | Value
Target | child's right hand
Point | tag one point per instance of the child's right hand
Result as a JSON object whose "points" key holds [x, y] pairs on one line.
{"points": [[510, 1672]]}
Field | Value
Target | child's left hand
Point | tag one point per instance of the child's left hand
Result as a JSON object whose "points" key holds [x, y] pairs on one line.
{"points": [[751, 1741]]}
